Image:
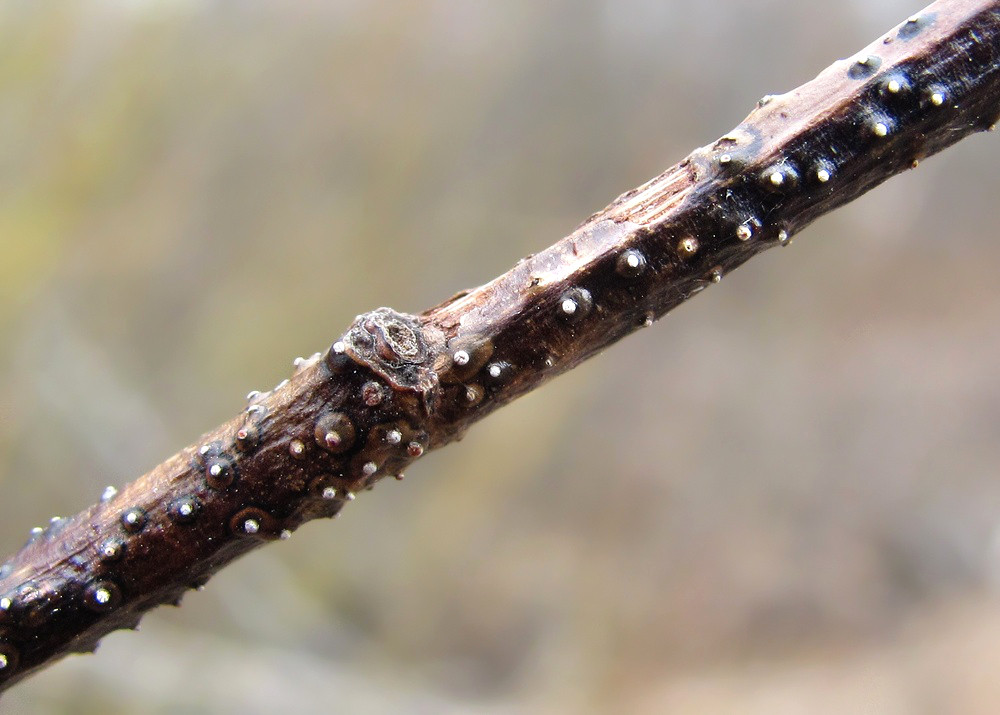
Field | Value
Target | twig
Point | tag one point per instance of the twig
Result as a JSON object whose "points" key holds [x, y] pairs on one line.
{"points": [[395, 385]]}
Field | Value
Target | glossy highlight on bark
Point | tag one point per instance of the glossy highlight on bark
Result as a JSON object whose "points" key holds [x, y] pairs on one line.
{"points": [[395, 385]]}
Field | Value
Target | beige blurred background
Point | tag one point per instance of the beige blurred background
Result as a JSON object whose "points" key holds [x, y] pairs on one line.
{"points": [[784, 498]]}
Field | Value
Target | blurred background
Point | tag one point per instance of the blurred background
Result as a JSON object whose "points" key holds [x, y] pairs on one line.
{"points": [[783, 498]]}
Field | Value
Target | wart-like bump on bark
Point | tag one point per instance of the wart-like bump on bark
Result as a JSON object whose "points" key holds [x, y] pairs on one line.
{"points": [[392, 345]]}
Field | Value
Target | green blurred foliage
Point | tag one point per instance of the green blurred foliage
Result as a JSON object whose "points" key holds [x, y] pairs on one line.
{"points": [[784, 499]]}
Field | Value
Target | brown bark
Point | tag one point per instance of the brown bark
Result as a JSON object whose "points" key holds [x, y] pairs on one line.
{"points": [[395, 385]]}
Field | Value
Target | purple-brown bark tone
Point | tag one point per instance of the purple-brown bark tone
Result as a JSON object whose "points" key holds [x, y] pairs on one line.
{"points": [[395, 385]]}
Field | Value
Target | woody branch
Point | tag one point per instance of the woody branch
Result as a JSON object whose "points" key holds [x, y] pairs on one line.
{"points": [[395, 385]]}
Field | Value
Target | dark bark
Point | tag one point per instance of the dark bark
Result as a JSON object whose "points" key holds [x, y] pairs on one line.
{"points": [[395, 385]]}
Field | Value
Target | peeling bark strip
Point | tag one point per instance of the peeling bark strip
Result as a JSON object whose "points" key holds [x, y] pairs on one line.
{"points": [[396, 385]]}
